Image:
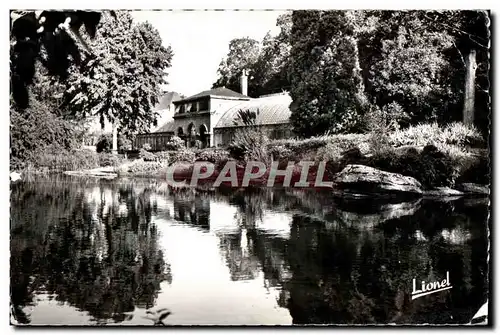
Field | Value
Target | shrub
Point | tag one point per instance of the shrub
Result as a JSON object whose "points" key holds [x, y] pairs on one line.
{"points": [[456, 134], [67, 160], [107, 159], [281, 152], [183, 155], [431, 167], [104, 143], [35, 129], [330, 152], [146, 146], [147, 156], [461, 135], [162, 156], [175, 143], [212, 155], [382, 122], [146, 169], [249, 144], [317, 145], [124, 143]]}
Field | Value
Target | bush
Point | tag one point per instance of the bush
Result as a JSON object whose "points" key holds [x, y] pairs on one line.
{"points": [[431, 167], [104, 143], [453, 134], [281, 152], [146, 146], [146, 169], [212, 155], [124, 143], [147, 156], [162, 156], [175, 143], [34, 130], [461, 135], [183, 155], [67, 160], [107, 159], [249, 144], [330, 152], [317, 146]]}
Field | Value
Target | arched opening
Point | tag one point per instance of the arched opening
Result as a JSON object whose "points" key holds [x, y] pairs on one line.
{"points": [[191, 135], [180, 132], [204, 137]]}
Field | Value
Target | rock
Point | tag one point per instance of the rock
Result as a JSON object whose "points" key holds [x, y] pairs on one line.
{"points": [[356, 178], [384, 213], [443, 192], [471, 188]]}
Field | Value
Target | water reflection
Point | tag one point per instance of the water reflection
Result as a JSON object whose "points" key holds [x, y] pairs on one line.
{"points": [[107, 252]]}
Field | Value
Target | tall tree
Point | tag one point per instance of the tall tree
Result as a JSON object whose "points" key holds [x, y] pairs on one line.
{"points": [[470, 31], [123, 82], [325, 81], [243, 54], [411, 67], [270, 72], [267, 62]]}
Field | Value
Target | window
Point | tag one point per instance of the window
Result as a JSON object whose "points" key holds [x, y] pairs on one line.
{"points": [[203, 105], [182, 108], [191, 107]]}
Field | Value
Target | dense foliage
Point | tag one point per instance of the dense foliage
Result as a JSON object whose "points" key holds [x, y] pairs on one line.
{"points": [[115, 77], [343, 67], [348, 63], [266, 62], [49, 37], [123, 83]]}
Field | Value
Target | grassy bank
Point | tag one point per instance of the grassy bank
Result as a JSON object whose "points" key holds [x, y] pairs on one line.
{"points": [[70, 160], [435, 156]]}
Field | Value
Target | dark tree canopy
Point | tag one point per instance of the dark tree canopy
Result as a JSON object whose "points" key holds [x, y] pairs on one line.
{"points": [[49, 37]]}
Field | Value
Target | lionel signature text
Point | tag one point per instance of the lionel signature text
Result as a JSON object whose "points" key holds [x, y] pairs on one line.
{"points": [[431, 287]]}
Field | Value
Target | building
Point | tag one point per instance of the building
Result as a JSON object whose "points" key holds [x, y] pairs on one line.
{"points": [[166, 110], [209, 118]]}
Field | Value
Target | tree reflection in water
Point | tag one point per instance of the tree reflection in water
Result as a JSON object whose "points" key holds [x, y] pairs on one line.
{"points": [[354, 262], [95, 246]]}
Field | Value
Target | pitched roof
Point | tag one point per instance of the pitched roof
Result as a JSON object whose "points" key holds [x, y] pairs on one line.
{"points": [[273, 109], [166, 128], [166, 100], [219, 91]]}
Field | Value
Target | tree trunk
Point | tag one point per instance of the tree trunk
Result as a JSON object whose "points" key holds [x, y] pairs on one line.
{"points": [[115, 138], [470, 88], [357, 73]]}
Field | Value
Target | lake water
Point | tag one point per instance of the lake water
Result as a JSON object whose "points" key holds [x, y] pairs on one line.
{"points": [[95, 252]]}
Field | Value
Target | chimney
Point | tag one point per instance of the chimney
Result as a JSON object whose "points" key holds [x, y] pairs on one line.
{"points": [[244, 82]]}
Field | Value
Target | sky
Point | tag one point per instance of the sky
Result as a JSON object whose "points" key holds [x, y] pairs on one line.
{"points": [[200, 39]]}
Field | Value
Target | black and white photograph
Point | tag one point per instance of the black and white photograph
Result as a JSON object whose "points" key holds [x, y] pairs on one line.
{"points": [[236, 167]]}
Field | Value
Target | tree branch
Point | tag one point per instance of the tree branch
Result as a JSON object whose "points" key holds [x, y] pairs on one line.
{"points": [[460, 31], [461, 56]]}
